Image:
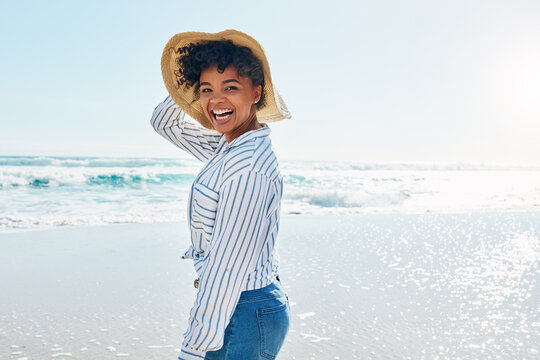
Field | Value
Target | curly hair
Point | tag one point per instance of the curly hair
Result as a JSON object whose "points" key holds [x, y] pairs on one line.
{"points": [[194, 58]]}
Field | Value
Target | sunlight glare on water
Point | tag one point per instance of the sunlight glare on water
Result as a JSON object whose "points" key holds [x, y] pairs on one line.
{"points": [[432, 286]]}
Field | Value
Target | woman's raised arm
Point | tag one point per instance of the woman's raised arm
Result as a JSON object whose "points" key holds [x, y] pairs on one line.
{"points": [[170, 122]]}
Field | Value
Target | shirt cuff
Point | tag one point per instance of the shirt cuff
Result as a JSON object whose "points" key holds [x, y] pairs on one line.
{"points": [[188, 353], [190, 253]]}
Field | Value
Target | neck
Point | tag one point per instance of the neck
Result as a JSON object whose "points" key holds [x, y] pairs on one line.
{"points": [[252, 124]]}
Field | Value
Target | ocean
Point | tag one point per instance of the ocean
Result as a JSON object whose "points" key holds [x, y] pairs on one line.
{"points": [[38, 192]]}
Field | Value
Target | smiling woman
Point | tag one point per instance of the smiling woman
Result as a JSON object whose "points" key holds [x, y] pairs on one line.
{"points": [[220, 54], [223, 81], [228, 99], [224, 75]]}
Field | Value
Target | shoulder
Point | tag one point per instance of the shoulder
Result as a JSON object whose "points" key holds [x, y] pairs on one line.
{"points": [[255, 158]]}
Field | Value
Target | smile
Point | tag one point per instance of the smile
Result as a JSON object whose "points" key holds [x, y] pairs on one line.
{"points": [[222, 115]]}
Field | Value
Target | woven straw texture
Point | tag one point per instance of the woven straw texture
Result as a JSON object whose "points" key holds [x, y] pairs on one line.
{"points": [[275, 108]]}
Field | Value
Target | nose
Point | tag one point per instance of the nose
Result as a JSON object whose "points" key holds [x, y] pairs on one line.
{"points": [[216, 98]]}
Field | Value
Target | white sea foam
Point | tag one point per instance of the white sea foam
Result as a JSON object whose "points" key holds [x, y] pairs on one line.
{"points": [[40, 192]]}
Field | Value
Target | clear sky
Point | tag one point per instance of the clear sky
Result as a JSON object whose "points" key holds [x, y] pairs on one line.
{"points": [[364, 80]]}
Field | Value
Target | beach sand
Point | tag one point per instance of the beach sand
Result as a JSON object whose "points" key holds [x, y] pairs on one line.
{"points": [[392, 286]]}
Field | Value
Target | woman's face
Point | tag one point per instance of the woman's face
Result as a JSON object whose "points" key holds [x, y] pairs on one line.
{"points": [[228, 100]]}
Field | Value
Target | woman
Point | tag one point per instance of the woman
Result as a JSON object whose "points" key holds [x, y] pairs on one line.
{"points": [[223, 81]]}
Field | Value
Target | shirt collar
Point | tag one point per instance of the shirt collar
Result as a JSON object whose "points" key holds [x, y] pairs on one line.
{"points": [[249, 135]]}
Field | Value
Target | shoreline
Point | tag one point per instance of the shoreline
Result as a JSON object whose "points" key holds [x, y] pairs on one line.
{"points": [[427, 212]]}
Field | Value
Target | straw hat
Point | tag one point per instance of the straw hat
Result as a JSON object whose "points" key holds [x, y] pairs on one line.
{"points": [[275, 108]]}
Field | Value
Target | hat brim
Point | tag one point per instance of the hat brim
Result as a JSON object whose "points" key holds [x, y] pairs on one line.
{"points": [[274, 109]]}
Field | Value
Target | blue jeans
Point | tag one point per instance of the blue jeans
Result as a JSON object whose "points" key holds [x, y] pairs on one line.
{"points": [[258, 326]]}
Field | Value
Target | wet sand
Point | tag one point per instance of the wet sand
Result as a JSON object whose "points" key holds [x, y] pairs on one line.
{"points": [[391, 286]]}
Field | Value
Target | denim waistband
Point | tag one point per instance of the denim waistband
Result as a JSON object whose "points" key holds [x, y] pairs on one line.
{"points": [[271, 291]]}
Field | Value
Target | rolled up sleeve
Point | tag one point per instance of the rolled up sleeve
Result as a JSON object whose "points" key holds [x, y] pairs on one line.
{"points": [[169, 120]]}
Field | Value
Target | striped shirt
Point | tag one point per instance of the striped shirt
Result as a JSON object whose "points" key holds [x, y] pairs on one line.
{"points": [[233, 216]]}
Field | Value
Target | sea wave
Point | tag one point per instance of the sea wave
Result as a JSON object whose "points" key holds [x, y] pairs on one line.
{"points": [[348, 199], [92, 162], [57, 177], [61, 161], [37, 192]]}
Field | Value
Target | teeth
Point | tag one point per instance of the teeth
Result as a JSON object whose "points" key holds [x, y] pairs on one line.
{"points": [[221, 111], [218, 117]]}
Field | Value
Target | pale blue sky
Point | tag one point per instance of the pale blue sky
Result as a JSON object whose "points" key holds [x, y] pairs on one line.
{"points": [[367, 81]]}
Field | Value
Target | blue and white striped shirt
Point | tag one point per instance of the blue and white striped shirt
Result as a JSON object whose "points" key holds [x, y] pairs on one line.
{"points": [[233, 215]]}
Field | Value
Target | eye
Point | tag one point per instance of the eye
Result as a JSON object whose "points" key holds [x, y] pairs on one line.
{"points": [[204, 90], [231, 87]]}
